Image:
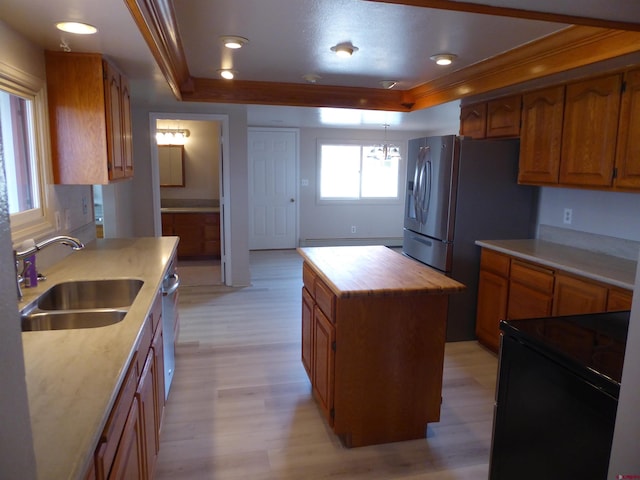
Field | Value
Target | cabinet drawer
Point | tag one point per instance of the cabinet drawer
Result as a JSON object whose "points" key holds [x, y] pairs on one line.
{"points": [[534, 276], [308, 277], [495, 262], [325, 299]]}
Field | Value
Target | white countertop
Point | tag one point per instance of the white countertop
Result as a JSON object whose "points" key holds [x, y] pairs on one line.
{"points": [[73, 376], [600, 267]]}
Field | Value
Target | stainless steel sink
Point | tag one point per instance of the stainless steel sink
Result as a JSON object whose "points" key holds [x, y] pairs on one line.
{"points": [[85, 294], [81, 304], [63, 320]]}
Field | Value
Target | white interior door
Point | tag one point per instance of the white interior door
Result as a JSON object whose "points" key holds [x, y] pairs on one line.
{"points": [[273, 155]]}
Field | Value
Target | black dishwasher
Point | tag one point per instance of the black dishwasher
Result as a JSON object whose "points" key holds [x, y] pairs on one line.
{"points": [[557, 396]]}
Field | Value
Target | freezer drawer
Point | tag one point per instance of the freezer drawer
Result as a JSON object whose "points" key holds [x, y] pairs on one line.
{"points": [[434, 253]]}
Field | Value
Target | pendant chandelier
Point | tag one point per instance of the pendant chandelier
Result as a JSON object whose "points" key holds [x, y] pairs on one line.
{"points": [[385, 151]]}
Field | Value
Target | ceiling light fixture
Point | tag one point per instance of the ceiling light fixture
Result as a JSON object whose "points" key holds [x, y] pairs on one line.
{"points": [[227, 74], [170, 136], [344, 50], [443, 58], [385, 151], [76, 27], [388, 84], [311, 77], [234, 42]]}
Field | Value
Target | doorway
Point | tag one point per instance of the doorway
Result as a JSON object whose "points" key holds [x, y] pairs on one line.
{"points": [[201, 193]]}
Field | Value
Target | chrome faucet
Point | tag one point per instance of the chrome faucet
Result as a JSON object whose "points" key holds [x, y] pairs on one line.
{"points": [[72, 242]]}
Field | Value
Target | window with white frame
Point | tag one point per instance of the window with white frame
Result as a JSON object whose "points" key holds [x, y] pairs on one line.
{"points": [[23, 144], [356, 172]]}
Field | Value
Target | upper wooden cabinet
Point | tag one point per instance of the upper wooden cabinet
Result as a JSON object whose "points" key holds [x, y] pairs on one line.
{"points": [[541, 136], [493, 119], [473, 120], [627, 173], [503, 117], [90, 119], [589, 132]]}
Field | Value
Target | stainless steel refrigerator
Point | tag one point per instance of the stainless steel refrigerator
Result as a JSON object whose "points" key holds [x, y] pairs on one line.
{"points": [[461, 190]]}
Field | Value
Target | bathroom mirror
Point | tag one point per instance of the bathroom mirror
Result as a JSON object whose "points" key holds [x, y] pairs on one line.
{"points": [[171, 161]]}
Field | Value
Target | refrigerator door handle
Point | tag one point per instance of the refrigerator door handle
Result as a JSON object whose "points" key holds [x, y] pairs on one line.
{"points": [[427, 190], [417, 186]]}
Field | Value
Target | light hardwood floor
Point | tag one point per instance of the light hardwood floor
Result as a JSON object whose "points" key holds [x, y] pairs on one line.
{"points": [[241, 407]]}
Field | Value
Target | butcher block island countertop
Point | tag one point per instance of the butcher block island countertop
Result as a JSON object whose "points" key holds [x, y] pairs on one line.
{"points": [[373, 335], [375, 270]]}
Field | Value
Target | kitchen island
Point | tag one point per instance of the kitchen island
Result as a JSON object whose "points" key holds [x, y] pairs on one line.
{"points": [[73, 376], [373, 335]]}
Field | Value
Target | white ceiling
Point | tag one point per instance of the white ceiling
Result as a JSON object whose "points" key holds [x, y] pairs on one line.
{"points": [[290, 38]]}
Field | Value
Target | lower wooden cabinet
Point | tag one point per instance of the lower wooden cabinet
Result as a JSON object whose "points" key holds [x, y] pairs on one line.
{"points": [[130, 442], [512, 289], [574, 296], [324, 336], [199, 233]]}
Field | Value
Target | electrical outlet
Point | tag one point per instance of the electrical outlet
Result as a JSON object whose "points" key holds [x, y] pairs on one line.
{"points": [[353, 229], [67, 219], [58, 221], [304, 182], [85, 206], [568, 214]]}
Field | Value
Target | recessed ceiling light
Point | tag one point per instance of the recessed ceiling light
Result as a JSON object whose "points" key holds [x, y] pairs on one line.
{"points": [[227, 74], [443, 58], [234, 42], [76, 27], [344, 50], [388, 84], [311, 77]]}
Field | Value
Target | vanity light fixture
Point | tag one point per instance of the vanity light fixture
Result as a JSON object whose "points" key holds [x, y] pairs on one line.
{"points": [[76, 27], [344, 50], [227, 74], [443, 58], [234, 42], [170, 136]]}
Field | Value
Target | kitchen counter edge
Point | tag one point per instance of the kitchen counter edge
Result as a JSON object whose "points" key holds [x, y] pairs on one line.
{"points": [[609, 269], [73, 376]]}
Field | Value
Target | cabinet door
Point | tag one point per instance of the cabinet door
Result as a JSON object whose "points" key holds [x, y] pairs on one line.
{"points": [[129, 460], [492, 307], [157, 347], [307, 332], [145, 396], [167, 224], [574, 296], [324, 335], [473, 120], [619, 299], [628, 150], [126, 135], [530, 291], [589, 131], [113, 100], [503, 117], [541, 136]]}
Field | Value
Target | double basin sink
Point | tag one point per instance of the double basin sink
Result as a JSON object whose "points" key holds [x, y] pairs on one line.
{"points": [[81, 304]]}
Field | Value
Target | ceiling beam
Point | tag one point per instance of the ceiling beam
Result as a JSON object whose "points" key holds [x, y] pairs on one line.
{"points": [[297, 95], [565, 50], [157, 23], [471, 7]]}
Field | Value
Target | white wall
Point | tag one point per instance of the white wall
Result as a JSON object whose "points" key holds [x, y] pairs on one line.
{"points": [[201, 162], [594, 211], [322, 223]]}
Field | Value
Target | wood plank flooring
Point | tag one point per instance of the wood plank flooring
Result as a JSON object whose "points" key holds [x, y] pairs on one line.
{"points": [[241, 407]]}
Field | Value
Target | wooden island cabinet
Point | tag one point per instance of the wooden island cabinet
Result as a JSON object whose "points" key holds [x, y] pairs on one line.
{"points": [[373, 335]]}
